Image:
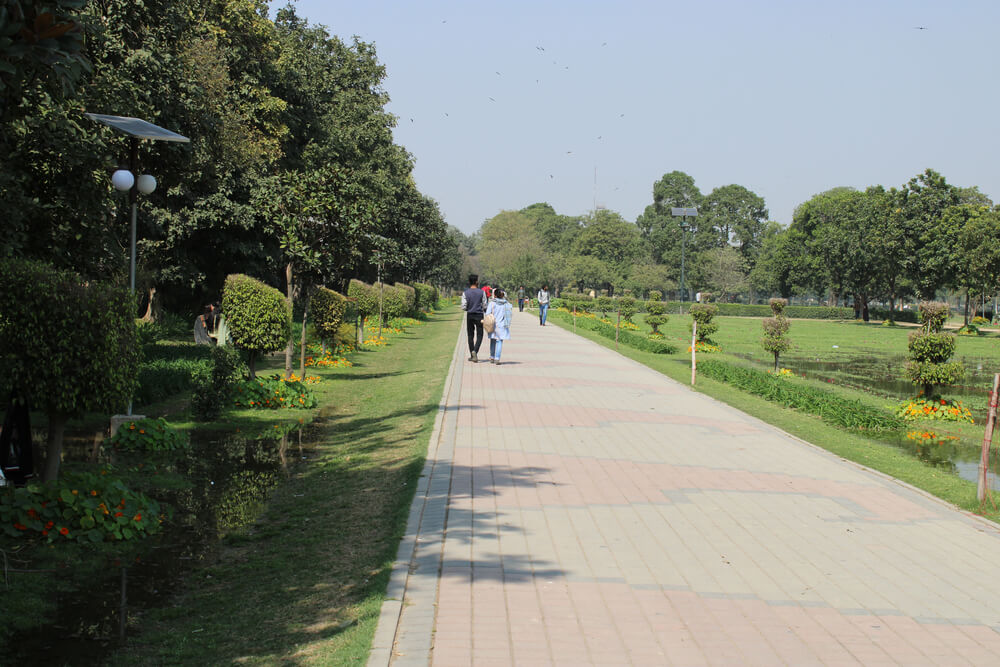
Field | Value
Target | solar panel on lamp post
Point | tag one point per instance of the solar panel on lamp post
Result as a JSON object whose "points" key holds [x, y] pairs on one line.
{"points": [[683, 214]]}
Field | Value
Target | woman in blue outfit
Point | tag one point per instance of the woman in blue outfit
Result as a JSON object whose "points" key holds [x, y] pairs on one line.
{"points": [[502, 312]]}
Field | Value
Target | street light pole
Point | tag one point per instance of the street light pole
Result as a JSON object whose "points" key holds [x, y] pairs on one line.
{"points": [[683, 214]]}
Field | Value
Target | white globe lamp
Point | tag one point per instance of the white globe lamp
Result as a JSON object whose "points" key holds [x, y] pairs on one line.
{"points": [[123, 180], [146, 184]]}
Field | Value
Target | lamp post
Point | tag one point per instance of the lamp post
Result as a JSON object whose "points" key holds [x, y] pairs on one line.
{"points": [[125, 180], [683, 214]]}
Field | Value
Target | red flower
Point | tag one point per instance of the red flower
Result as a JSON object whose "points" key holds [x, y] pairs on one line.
{"points": [[944, 402], [45, 532], [118, 514], [20, 526], [137, 517], [32, 513], [49, 525], [64, 531]]}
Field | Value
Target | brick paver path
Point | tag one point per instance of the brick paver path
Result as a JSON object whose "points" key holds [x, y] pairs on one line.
{"points": [[580, 509]]}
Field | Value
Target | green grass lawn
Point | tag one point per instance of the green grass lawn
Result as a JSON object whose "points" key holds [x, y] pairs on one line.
{"points": [[739, 339]]}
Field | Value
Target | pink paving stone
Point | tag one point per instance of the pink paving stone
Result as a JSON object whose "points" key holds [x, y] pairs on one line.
{"points": [[880, 503]]}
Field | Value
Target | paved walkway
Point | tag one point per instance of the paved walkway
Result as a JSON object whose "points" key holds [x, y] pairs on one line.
{"points": [[578, 508]]}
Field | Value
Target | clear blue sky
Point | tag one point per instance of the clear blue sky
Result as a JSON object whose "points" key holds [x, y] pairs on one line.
{"points": [[787, 98]]}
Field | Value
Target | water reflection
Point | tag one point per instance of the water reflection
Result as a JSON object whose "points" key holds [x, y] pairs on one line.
{"points": [[219, 488]]}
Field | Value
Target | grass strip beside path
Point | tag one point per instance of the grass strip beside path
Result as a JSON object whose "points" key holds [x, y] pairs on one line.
{"points": [[305, 584], [871, 453]]}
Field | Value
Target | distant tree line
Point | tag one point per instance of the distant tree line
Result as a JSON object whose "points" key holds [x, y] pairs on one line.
{"points": [[842, 246]]}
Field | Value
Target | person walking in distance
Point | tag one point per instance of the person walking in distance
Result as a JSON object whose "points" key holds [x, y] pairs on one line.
{"points": [[520, 299], [502, 312], [474, 305], [543, 304]]}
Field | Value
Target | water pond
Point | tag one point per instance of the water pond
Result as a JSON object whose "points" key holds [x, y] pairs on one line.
{"points": [[218, 488]]}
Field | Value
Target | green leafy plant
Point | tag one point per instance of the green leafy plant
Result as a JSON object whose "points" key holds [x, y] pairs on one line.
{"points": [[605, 304], [625, 337], [213, 386], [930, 350], [326, 309], [149, 435], [273, 393], [627, 307], [702, 313], [936, 409], [656, 310], [365, 301], [775, 339], [830, 407], [259, 317], [980, 321], [427, 296], [83, 507]]}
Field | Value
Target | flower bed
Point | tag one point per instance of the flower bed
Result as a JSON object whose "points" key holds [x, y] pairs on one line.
{"points": [[85, 507], [929, 437], [273, 393], [702, 346], [936, 409]]}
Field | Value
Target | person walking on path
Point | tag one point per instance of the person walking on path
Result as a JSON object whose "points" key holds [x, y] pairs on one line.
{"points": [[520, 299], [543, 304], [502, 312], [474, 305]]}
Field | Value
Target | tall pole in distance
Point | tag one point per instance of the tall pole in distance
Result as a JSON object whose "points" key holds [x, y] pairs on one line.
{"points": [[683, 238], [133, 195]]}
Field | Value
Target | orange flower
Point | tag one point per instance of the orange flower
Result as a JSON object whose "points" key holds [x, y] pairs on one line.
{"points": [[142, 431], [74, 492], [118, 514], [137, 517], [93, 492]]}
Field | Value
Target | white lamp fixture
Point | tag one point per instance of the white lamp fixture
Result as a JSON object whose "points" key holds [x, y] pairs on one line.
{"points": [[146, 184], [123, 180]]}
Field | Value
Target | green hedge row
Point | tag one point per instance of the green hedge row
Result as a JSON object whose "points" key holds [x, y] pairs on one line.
{"points": [[832, 408], [162, 378], [625, 337]]}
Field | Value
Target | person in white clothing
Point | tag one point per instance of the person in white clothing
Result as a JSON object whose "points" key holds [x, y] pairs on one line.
{"points": [[543, 304], [502, 312]]}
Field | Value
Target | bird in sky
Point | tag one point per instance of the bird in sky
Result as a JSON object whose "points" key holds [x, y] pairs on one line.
{"points": [[498, 73], [569, 152], [492, 100], [539, 48], [551, 176], [919, 27], [411, 120]]}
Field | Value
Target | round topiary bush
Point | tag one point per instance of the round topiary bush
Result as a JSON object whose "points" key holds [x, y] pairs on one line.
{"points": [[605, 304], [930, 350], [702, 313], [326, 309], [259, 317], [627, 308], [656, 310], [409, 299]]}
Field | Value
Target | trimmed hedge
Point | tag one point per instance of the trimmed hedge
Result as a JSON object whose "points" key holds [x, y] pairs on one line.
{"points": [[832, 408], [258, 316], [625, 337], [326, 309], [409, 298], [366, 298], [427, 296]]}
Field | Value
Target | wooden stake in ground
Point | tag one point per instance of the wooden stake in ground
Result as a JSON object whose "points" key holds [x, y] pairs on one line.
{"points": [[574, 318], [618, 326], [984, 461], [694, 346]]}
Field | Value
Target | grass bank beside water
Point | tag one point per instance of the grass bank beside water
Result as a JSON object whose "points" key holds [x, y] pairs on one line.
{"points": [[304, 583]]}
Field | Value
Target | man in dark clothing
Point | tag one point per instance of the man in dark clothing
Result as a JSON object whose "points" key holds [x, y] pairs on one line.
{"points": [[474, 304]]}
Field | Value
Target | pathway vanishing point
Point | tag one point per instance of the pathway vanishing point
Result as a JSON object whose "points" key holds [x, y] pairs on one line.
{"points": [[578, 508]]}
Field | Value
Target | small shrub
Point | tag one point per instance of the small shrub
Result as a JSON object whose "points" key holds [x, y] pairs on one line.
{"points": [[656, 310], [980, 321], [627, 307], [214, 385], [605, 304], [775, 339], [930, 350], [702, 313], [273, 393], [426, 296], [149, 435], [968, 330], [82, 507], [409, 299]]}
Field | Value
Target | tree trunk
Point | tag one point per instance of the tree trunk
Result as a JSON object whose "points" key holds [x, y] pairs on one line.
{"points": [[54, 445], [857, 307], [360, 330], [966, 306], [302, 347], [892, 309], [776, 355], [864, 308], [252, 364], [290, 348]]}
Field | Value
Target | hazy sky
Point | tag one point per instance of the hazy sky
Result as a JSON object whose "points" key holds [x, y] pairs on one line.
{"points": [[785, 98]]}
